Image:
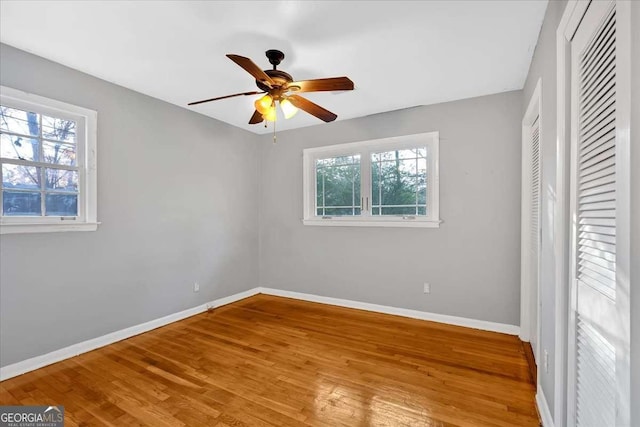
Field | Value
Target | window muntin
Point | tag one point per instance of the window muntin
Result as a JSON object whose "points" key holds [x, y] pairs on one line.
{"points": [[47, 161], [338, 186], [398, 180], [30, 140]]}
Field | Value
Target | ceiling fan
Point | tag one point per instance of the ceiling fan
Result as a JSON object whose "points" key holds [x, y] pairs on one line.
{"points": [[280, 87]]}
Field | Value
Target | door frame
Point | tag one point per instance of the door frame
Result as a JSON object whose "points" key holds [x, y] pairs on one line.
{"points": [[527, 288], [565, 367]]}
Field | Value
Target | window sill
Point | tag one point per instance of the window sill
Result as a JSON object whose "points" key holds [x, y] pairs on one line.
{"points": [[349, 222], [18, 228]]}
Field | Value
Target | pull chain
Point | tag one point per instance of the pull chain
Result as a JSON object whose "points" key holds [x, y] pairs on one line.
{"points": [[274, 131]]}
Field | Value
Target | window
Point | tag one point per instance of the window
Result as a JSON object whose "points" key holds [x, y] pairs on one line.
{"points": [[390, 182], [47, 157]]}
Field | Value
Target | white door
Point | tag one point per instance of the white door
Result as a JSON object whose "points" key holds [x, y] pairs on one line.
{"points": [[599, 317], [534, 230], [530, 233]]}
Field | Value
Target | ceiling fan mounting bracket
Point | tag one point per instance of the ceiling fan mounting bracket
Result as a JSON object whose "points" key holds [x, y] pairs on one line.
{"points": [[275, 57]]}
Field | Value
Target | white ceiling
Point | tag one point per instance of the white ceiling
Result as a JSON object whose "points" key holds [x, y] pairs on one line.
{"points": [[399, 54]]}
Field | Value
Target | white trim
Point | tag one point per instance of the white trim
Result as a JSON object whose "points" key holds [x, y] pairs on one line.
{"points": [[365, 148], [86, 220], [572, 17], [624, 54], [404, 312], [37, 362], [16, 228], [534, 110], [414, 222], [543, 409]]}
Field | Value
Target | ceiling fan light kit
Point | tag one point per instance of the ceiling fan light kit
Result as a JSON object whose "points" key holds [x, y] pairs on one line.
{"points": [[288, 108], [264, 104], [279, 87]]}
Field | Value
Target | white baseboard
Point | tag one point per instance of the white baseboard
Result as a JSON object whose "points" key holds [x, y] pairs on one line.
{"points": [[543, 409], [37, 362], [422, 315]]}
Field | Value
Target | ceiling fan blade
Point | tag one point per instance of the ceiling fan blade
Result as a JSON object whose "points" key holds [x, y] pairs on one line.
{"points": [[225, 97], [320, 85], [251, 68], [256, 118], [311, 108]]}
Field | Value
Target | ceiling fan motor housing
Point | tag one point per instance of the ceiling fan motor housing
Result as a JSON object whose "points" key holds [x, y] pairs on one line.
{"points": [[278, 76]]}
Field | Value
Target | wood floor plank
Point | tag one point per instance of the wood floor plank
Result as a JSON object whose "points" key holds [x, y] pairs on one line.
{"points": [[271, 361]]}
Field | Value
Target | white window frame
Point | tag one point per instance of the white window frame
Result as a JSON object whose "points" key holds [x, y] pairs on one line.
{"points": [[431, 140], [86, 135]]}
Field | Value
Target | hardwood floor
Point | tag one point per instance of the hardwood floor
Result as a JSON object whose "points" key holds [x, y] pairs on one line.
{"points": [[268, 361], [531, 361]]}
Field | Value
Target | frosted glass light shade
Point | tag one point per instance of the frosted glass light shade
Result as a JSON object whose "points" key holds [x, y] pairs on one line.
{"points": [[270, 114], [288, 108], [263, 105]]}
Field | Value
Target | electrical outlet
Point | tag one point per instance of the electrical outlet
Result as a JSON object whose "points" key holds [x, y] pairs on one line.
{"points": [[546, 361], [196, 287], [427, 288]]}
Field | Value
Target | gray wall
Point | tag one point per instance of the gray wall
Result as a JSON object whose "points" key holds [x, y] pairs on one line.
{"points": [[178, 203], [472, 261], [544, 66]]}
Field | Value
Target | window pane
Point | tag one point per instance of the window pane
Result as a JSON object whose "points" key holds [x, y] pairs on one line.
{"points": [[22, 177], [21, 203], [399, 210], [375, 183], [422, 191], [379, 157], [59, 153], [340, 160], [338, 185], [356, 187], [422, 167], [397, 183], [62, 180], [319, 188], [18, 121], [398, 180], [401, 154], [61, 204], [408, 154], [58, 129], [341, 212], [19, 147]]}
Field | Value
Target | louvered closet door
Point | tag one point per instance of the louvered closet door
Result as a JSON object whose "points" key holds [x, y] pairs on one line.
{"points": [[596, 316], [534, 205]]}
